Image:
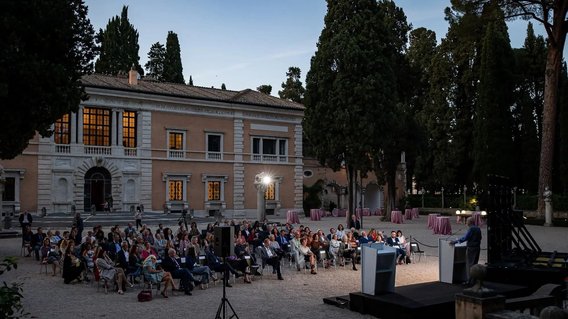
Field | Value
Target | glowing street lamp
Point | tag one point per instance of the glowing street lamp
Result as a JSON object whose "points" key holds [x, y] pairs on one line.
{"points": [[261, 181]]}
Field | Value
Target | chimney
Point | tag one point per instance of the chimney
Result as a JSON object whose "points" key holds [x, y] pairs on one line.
{"points": [[133, 76]]}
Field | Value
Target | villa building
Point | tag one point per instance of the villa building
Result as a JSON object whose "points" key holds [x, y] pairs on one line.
{"points": [[163, 146]]}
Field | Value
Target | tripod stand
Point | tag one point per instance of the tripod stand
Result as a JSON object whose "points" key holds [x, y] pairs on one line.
{"points": [[224, 301]]}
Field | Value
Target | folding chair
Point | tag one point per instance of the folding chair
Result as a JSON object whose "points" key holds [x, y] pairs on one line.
{"points": [[415, 249]]}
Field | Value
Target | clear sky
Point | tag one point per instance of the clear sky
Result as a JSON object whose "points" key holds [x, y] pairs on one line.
{"points": [[250, 42]]}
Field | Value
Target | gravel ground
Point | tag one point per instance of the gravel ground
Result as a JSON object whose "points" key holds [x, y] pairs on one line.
{"points": [[300, 294]]}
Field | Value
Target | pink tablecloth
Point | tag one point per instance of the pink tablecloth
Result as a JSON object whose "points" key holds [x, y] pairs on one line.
{"points": [[292, 217], [442, 226], [432, 220], [366, 212], [378, 212], [315, 214], [408, 214], [396, 217], [415, 212]]}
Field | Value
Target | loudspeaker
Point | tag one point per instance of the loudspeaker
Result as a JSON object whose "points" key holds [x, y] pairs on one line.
{"points": [[224, 241]]}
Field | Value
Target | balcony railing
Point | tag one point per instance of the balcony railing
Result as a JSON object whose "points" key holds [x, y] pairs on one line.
{"points": [[59, 148], [98, 150], [131, 152], [216, 156], [176, 154], [269, 158]]}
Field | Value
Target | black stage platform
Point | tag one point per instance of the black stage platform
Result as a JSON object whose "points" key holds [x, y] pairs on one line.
{"points": [[426, 300]]}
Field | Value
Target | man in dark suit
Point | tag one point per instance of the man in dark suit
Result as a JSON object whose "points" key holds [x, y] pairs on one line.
{"points": [[394, 242], [171, 264], [270, 257], [25, 220]]}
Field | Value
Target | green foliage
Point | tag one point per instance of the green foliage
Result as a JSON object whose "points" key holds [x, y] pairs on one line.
{"points": [[312, 196], [493, 144], [223, 87], [265, 88], [46, 47], [352, 90], [155, 65], [10, 295], [173, 69], [118, 46], [292, 89], [190, 83]]}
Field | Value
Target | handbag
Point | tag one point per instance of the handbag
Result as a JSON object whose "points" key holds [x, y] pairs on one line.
{"points": [[145, 295]]}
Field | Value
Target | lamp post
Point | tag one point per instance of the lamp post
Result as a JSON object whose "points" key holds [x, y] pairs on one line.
{"points": [[464, 196], [422, 192], [2, 181], [442, 197], [261, 181]]}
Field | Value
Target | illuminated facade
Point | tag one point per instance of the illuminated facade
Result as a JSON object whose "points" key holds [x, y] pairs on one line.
{"points": [[137, 142]]}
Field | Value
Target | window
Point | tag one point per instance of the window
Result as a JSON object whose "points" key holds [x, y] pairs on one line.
{"points": [[270, 193], [9, 194], [62, 131], [129, 129], [213, 190], [269, 149], [96, 126], [176, 190], [214, 146], [176, 144]]}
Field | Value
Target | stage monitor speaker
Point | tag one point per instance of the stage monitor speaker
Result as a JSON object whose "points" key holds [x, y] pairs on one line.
{"points": [[224, 241]]}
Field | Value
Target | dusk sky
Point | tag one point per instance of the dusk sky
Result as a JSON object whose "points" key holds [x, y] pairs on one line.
{"points": [[251, 42]]}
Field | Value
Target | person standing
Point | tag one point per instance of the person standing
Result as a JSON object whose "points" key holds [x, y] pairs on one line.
{"points": [[138, 217], [78, 222], [473, 239], [25, 220]]}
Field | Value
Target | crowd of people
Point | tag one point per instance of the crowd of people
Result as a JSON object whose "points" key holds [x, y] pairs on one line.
{"points": [[124, 255]]}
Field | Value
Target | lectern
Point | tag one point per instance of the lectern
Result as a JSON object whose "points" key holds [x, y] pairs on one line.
{"points": [[378, 268], [453, 263]]}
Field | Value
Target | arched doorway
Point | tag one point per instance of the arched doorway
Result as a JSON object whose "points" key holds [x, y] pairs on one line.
{"points": [[97, 188]]}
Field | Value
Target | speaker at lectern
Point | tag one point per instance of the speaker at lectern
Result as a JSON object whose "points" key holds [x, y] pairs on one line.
{"points": [[453, 263], [378, 268]]}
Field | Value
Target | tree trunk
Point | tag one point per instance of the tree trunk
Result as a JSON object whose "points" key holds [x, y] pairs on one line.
{"points": [[351, 197], [549, 114]]}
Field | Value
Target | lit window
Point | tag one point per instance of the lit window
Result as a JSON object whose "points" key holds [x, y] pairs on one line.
{"points": [[96, 126], [129, 129], [214, 190], [176, 144], [176, 190], [62, 132], [269, 194]]}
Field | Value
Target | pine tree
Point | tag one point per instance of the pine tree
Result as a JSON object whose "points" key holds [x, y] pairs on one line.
{"points": [[223, 87], [119, 47], [265, 88], [173, 70], [292, 89], [155, 65], [46, 47], [190, 83]]}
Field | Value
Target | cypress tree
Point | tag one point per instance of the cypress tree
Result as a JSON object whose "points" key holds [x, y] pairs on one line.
{"points": [[223, 87], [173, 70], [190, 83], [493, 151]]}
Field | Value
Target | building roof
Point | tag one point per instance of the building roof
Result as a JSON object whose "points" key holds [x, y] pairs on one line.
{"points": [[247, 96]]}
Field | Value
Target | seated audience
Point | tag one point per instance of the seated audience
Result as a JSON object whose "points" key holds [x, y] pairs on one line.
{"points": [[155, 275], [109, 273], [171, 264]]}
